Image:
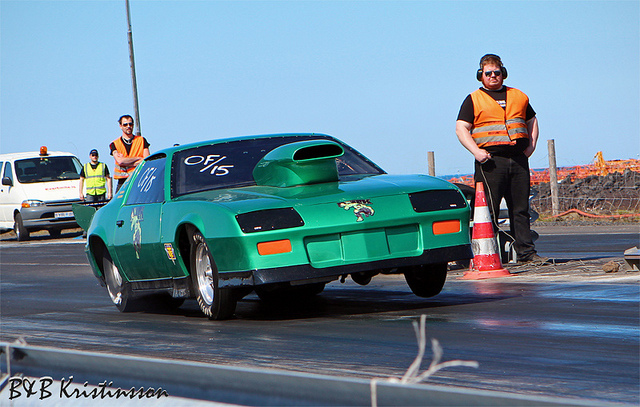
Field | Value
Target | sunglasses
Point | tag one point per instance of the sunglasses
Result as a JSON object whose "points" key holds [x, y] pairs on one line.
{"points": [[131, 124], [488, 73]]}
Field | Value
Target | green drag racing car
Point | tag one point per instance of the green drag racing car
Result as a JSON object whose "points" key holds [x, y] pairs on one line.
{"points": [[281, 215]]}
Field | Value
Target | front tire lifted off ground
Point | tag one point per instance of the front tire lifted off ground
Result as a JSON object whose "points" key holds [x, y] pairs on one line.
{"points": [[215, 302], [426, 280]]}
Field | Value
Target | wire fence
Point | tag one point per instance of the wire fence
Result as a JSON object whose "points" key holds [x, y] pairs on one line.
{"points": [[615, 195]]}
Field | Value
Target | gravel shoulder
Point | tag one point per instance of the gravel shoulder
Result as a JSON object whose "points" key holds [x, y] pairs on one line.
{"points": [[578, 271]]}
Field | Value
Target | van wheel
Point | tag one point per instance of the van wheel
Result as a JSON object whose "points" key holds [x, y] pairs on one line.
{"points": [[21, 232]]}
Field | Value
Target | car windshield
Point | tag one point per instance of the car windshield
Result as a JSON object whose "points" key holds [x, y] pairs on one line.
{"points": [[44, 169], [232, 163]]}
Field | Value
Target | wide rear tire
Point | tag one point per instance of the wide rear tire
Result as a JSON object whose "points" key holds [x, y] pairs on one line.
{"points": [[215, 302], [426, 280], [118, 288]]}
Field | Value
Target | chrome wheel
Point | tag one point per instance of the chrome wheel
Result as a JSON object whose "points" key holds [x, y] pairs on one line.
{"points": [[118, 288], [113, 279], [204, 274], [214, 302]]}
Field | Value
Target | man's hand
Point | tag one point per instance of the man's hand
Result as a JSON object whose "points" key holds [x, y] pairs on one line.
{"points": [[123, 161], [463, 131], [482, 156]]}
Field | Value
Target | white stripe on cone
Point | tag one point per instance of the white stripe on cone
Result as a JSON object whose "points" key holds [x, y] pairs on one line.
{"points": [[481, 214]]}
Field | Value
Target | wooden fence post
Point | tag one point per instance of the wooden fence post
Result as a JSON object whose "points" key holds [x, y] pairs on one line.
{"points": [[553, 178], [431, 162]]}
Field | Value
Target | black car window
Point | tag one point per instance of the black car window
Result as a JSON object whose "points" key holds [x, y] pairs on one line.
{"points": [[231, 164], [148, 184]]}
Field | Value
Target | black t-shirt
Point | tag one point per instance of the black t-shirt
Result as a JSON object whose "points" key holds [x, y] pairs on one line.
{"points": [[467, 114]]}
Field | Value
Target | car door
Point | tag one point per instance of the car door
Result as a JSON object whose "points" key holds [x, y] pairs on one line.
{"points": [[138, 224]]}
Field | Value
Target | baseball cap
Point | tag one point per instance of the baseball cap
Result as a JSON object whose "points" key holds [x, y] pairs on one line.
{"points": [[94, 151]]}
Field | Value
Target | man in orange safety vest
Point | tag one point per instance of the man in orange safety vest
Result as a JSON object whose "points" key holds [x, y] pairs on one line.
{"points": [[499, 127], [128, 150]]}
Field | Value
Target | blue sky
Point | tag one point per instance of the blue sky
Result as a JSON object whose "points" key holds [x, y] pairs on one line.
{"points": [[387, 77]]}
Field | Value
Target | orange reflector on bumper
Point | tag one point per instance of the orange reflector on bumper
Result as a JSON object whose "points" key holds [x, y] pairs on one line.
{"points": [[274, 247], [446, 226]]}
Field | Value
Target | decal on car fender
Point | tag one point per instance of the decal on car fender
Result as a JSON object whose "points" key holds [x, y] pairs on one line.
{"points": [[360, 208], [168, 247], [136, 218]]}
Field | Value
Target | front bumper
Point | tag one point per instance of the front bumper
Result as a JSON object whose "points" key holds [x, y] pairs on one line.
{"points": [[300, 273], [49, 216]]}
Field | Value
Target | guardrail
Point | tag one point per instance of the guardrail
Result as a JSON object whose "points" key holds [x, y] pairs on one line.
{"points": [[37, 372]]}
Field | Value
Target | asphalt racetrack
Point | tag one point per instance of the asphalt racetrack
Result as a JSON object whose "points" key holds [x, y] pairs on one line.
{"points": [[568, 329]]}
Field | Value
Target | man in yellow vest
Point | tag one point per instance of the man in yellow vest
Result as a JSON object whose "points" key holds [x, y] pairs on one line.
{"points": [[128, 150], [95, 177], [499, 127]]}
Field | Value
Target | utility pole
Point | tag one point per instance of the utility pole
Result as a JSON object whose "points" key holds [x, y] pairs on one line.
{"points": [[136, 112]]}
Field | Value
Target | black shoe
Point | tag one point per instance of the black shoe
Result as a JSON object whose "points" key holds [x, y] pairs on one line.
{"points": [[534, 260]]}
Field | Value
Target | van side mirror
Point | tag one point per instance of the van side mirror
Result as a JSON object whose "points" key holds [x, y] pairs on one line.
{"points": [[7, 181]]}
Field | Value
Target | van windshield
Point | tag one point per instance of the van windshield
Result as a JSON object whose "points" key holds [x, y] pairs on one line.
{"points": [[43, 169]]}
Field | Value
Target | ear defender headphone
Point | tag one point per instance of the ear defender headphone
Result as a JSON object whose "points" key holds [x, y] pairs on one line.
{"points": [[481, 70]]}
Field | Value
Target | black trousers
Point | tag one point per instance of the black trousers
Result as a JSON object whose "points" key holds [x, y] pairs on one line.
{"points": [[508, 178], [121, 182], [95, 198]]}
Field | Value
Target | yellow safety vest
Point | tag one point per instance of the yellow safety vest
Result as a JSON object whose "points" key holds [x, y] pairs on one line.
{"points": [[95, 180]]}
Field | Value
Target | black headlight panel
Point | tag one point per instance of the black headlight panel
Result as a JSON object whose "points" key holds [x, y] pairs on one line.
{"points": [[269, 219], [438, 200]]}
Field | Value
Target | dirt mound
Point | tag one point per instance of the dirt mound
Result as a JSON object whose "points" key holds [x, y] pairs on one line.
{"points": [[615, 195]]}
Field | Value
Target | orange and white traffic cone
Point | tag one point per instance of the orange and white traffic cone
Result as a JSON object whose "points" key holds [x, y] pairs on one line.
{"points": [[486, 259]]}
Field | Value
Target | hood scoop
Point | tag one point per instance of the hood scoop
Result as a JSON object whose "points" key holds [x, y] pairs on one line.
{"points": [[300, 163]]}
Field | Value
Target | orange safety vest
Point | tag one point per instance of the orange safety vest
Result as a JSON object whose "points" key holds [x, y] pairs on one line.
{"points": [[494, 125], [137, 149]]}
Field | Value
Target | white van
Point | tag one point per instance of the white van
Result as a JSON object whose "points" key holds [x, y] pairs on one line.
{"points": [[37, 191]]}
